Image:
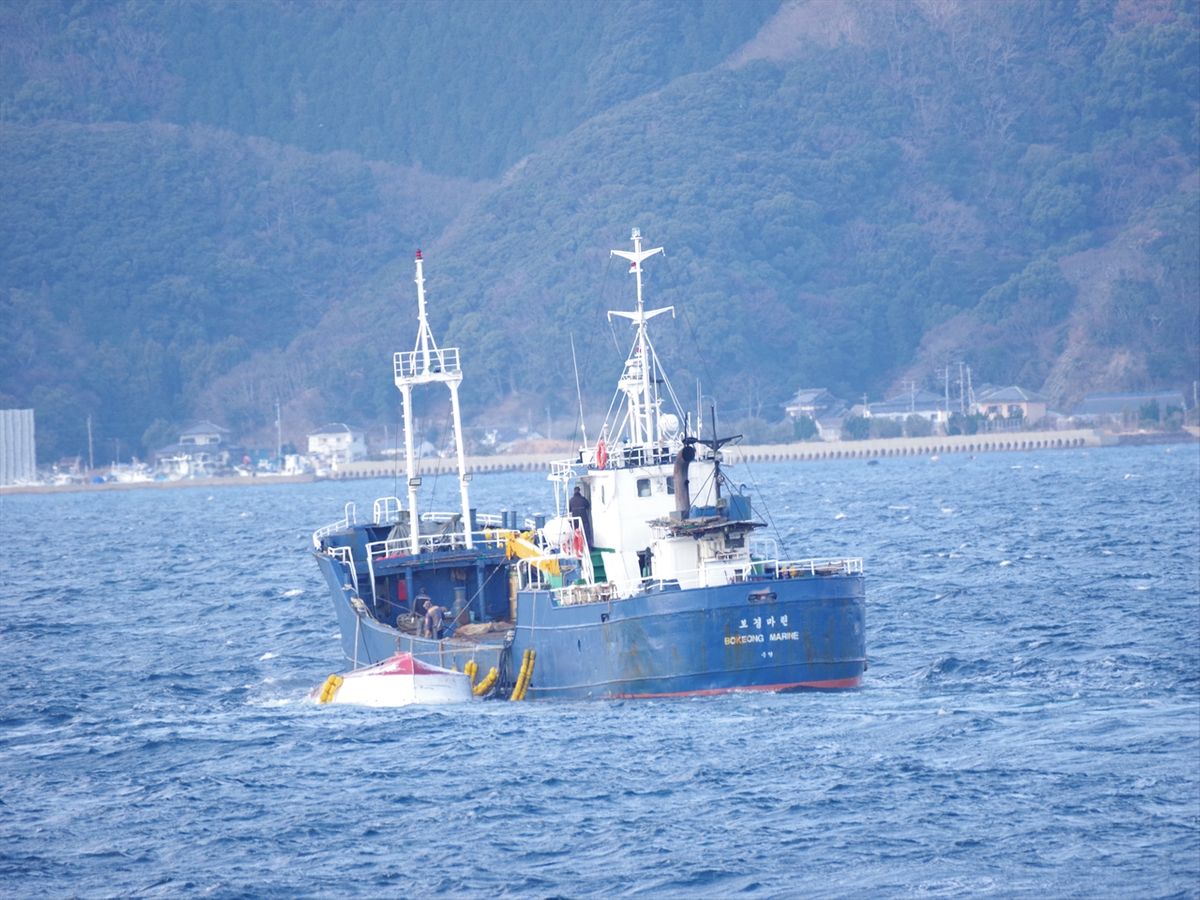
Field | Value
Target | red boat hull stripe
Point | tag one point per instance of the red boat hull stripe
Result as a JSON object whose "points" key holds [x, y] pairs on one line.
{"points": [[833, 684]]}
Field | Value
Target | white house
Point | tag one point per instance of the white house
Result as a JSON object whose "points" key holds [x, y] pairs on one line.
{"points": [[826, 411], [1011, 402], [337, 443], [925, 404], [203, 434]]}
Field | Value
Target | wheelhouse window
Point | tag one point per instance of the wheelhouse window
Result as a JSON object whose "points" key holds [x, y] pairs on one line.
{"points": [[643, 486]]}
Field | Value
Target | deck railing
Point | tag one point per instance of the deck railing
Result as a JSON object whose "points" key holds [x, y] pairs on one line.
{"points": [[755, 571], [416, 363], [345, 556], [386, 511], [350, 518]]}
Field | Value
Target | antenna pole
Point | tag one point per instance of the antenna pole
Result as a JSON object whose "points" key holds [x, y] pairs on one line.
{"points": [[578, 391]]}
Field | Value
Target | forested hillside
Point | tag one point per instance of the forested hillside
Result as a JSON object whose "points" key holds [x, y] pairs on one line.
{"points": [[141, 262], [457, 87], [827, 212], [212, 205]]}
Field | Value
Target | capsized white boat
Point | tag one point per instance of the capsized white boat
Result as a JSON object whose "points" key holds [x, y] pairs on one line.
{"points": [[399, 680]]}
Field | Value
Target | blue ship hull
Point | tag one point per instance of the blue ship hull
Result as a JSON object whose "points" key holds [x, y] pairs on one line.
{"points": [[801, 633], [774, 635]]}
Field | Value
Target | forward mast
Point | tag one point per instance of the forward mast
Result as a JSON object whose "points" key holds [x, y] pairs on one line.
{"points": [[429, 364]]}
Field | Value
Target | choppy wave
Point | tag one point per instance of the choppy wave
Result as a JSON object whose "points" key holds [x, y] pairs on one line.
{"points": [[1030, 728]]}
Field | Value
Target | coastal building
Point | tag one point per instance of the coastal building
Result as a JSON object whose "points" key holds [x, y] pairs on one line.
{"points": [[18, 450], [336, 443], [922, 403], [201, 450], [1011, 403], [826, 411], [1127, 409], [203, 434]]}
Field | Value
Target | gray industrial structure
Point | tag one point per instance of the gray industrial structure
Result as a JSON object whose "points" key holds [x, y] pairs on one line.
{"points": [[18, 459]]}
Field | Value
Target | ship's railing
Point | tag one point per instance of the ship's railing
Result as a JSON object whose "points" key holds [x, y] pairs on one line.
{"points": [[417, 363], [350, 518], [625, 456], [439, 516], [529, 576], [386, 511], [562, 470], [345, 556], [763, 547], [616, 456], [428, 543], [722, 571], [482, 519], [580, 594], [807, 568]]}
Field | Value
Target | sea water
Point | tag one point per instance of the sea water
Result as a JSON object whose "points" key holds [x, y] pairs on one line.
{"points": [[1029, 725]]}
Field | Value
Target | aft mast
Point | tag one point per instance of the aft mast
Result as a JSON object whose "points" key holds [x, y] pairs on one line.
{"points": [[429, 364], [637, 380]]}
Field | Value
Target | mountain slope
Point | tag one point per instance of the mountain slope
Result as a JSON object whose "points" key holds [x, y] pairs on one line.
{"points": [[850, 195], [141, 262], [458, 87]]}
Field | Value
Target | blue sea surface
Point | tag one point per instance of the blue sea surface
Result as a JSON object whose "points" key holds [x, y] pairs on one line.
{"points": [[1029, 725]]}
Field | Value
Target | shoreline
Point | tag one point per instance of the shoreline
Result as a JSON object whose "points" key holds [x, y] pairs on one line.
{"points": [[217, 481], [800, 451]]}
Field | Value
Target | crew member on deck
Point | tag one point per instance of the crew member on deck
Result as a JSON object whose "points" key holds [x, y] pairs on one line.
{"points": [[581, 508], [434, 614]]}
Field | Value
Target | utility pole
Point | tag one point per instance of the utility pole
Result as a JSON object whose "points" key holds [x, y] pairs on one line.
{"points": [[278, 438], [91, 455]]}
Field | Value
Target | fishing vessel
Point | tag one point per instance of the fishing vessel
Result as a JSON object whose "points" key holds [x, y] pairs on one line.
{"points": [[655, 578]]}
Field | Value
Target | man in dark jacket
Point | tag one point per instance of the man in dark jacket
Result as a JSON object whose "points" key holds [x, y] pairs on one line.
{"points": [[581, 508]]}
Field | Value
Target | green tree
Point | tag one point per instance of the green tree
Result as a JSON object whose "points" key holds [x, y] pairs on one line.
{"points": [[856, 428], [918, 426], [804, 429], [886, 428], [963, 424]]}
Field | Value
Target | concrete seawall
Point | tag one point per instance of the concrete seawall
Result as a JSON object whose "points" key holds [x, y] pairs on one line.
{"points": [[926, 446], [809, 451], [812, 451]]}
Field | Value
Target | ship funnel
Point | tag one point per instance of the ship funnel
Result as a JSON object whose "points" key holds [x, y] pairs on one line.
{"points": [[683, 459]]}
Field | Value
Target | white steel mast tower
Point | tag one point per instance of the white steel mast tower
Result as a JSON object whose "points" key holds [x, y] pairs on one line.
{"points": [[428, 364], [637, 381]]}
